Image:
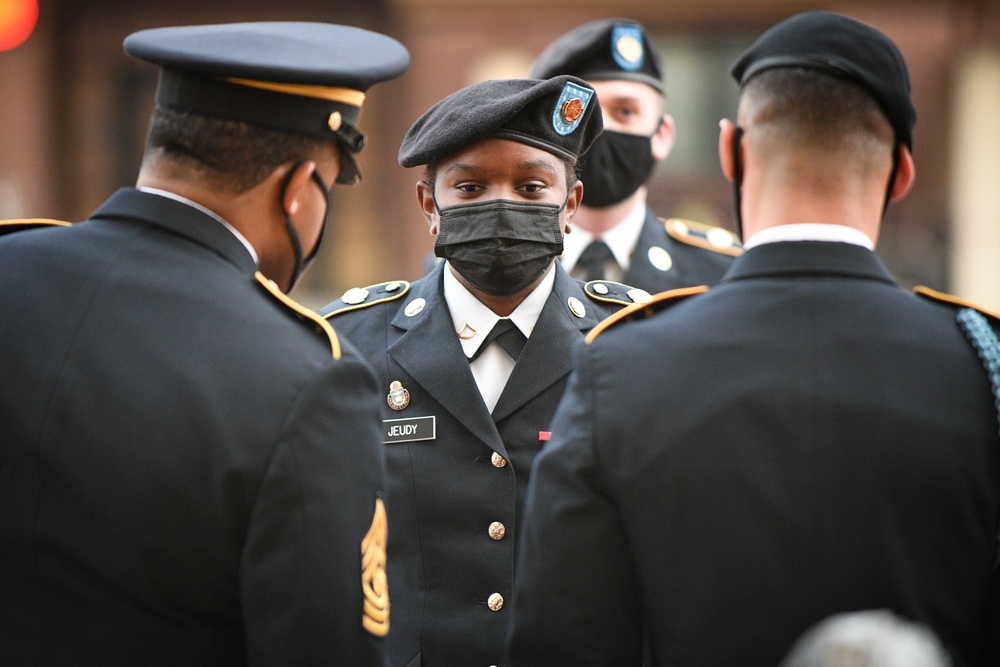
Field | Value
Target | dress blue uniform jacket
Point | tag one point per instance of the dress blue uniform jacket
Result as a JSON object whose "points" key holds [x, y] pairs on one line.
{"points": [[186, 471], [694, 259], [803, 439], [444, 494]]}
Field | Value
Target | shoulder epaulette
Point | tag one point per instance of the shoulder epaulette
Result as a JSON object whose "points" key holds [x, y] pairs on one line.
{"points": [[643, 310], [941, 297], [303, 313], [704, 236], [11, 226], [612, 292], [363, 297]]}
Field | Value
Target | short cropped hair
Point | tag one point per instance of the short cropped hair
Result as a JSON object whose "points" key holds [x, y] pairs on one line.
{"points": [[232, 155], [797, 108]]}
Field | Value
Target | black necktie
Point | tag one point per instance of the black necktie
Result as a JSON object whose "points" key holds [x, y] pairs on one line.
{"points": [[507, 335], [593, 261]]}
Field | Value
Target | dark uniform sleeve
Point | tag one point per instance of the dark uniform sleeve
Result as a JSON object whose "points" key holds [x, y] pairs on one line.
{"points": [[576, 599], [301, 571]]}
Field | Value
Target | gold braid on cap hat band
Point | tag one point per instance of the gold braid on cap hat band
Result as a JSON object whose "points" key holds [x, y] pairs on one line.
{"points": [[344, 95]]}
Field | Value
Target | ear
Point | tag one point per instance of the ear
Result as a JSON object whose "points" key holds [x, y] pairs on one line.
{"points": [[572, 205], [425, 199], [296, 188], [663, 138], [726, 131], [906, 173]]}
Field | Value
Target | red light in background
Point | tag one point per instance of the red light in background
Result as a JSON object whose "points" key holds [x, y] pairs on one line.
{"points": [[17, 20]]}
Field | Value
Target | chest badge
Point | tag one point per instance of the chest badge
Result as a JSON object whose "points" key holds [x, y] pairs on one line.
{"points": [[398, 396]]}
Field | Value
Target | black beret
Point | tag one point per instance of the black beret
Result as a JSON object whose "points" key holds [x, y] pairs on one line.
{"points": [[559, 115], [603, 50], [307, 78], [842, 47]]}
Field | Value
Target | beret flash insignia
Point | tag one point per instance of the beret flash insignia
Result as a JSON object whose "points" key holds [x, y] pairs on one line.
{"points": [[569, 109], [626, 47]]}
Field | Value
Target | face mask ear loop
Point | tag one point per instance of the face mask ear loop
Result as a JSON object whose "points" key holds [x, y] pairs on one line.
{"points": [[892, 178], [292, 234], [658, 126], [737, 180], [326, 218]]}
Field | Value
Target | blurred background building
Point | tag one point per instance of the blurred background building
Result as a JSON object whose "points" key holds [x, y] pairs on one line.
{"points": [[74, 111]]}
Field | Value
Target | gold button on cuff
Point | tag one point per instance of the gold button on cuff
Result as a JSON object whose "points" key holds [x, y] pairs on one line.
{"points": [[497, 460], [495, 603], [497, 530]]}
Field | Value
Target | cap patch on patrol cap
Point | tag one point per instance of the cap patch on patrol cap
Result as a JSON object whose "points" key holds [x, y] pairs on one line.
{"points": [[573, 102], [626, 46]]}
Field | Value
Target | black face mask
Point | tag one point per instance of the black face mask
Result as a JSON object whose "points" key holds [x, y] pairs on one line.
{"points": [[500, 246], [615, 166], [300, 262]]}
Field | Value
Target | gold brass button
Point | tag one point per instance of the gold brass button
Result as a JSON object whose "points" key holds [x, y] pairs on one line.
{"points": [[639, 295], [497, 530], [335, 121], [497, 460], [720, 238], [660, 258], [414, 307], [495, 603], [354, 296]]}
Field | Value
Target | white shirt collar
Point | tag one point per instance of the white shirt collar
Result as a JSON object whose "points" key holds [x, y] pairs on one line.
{"points": [[469, 314], [622, 239], [194, 204], [809, 232]]}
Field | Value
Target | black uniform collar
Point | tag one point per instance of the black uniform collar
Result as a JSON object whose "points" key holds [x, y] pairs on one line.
{"points": [[808, 257], [178, 218]]}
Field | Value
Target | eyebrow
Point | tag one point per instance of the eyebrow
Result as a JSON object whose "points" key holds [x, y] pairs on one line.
{"points": [[460, 167], [620, 98]]}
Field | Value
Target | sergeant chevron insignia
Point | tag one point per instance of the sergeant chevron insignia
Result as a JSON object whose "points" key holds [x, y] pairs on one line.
{"points": [[375, 614]]}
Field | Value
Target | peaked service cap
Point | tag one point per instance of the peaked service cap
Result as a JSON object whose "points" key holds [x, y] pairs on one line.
{"points": [[301, 77]]}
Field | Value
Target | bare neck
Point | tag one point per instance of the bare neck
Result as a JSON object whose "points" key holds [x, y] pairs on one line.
{"points": [[779, 195], [254, 213]]}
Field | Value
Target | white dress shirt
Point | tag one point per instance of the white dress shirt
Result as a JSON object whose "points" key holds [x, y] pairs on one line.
{"points": [[473, 321], [810, 231], [622, 239]]}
